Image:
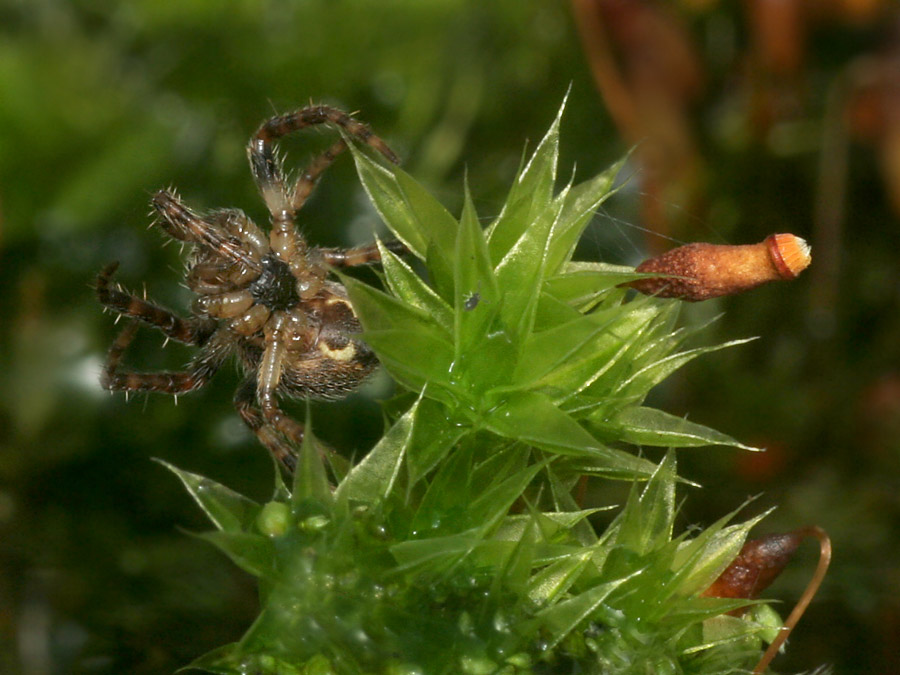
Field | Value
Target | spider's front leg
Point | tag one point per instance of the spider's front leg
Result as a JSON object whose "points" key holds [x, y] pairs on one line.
{"points": [[265, 165], [221, 236]]}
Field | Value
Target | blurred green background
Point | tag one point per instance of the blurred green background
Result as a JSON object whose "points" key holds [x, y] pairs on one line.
{"points": [[752, 118]]}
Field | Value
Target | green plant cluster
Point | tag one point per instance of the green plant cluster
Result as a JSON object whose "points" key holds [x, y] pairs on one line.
{"points": [[456, 545]]}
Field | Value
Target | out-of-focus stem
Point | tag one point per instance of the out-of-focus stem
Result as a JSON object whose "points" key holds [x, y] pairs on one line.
{"points": [[811, 588]]}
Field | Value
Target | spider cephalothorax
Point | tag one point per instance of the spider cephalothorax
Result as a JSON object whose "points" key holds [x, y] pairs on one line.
{"points": [[264, 298]]}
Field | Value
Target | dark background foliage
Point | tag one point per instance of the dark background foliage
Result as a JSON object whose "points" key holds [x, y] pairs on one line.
{"points": [[752, 118]]}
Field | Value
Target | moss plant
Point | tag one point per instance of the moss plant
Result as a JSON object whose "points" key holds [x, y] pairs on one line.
{"points": [[456, 545]]}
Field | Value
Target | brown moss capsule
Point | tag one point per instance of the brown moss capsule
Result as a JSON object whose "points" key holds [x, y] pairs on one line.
{"points": [[757, 565], [702, 271]]}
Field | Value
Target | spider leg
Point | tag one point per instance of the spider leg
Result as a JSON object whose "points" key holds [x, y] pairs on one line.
{"points": [[359, 255], [268, 435], [278, 333], [266, 167], [188, 331], [181, 223], [175, 383], [270, 369], [309, 178]]}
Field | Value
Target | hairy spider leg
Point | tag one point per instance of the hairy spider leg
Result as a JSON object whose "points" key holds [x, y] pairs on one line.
{"points": [[270, 368], [269, 176], [268, 435], [265, 165], [189, 331], [309, 177], [167, 382], [192, 331], [179, 222], [272, 420]]}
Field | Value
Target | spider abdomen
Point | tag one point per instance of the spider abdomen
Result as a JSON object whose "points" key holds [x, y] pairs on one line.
{"points": [[319, 376]]}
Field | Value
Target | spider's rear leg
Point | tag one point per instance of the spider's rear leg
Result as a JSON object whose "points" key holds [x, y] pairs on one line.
{"points": [[166, 382], [278, 332], [188, 331], [268, 434], [283, 331], [280, 436]]}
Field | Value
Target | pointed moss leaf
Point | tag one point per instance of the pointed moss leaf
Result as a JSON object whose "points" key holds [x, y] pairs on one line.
{"points": [[310, 477], [583, 287], [414, 359], [412, 346], [687, 612], [437, 552], [582, 201], [412, 290], [410, 212], [521, 272], [442, 508], [377, 310], [253, 553], [228, 510], [532, 418], [515, 568], [489, 507], [646, 521], [649, 376], [449, 503], [431, 217], [513, 527], [435, 434], [658, 504], [561, 492], [557, 578], [476, 295], [224, 660], [530, 194], [562, 618], [649, 426], [700, 561], [565, 344], [506, 459], [595, 369], [476, 373], [385, 194], [552, 311], [372, 480]]}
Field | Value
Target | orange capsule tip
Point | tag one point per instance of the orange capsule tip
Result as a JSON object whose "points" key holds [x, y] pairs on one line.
{"points": [[789, 253]]}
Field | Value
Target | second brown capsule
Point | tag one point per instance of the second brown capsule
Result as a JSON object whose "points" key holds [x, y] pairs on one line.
{"points": [[702, 271]]}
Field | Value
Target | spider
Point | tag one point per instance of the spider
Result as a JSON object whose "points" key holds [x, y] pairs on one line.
{"points": [[264, 298]]}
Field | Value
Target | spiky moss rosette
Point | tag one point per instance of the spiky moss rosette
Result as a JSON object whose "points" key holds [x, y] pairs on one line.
{"points": [[455, 545]]}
